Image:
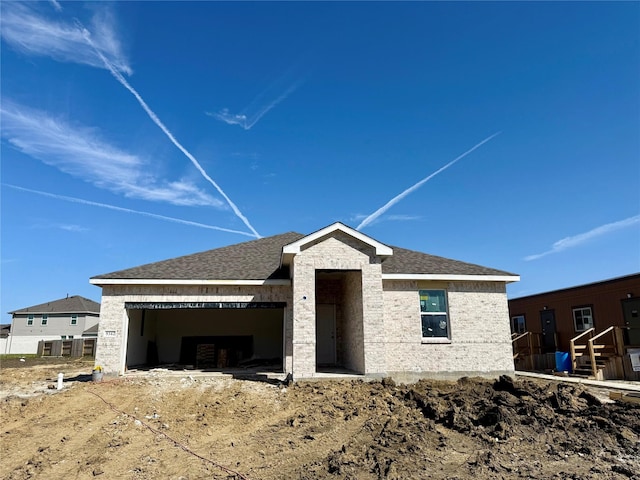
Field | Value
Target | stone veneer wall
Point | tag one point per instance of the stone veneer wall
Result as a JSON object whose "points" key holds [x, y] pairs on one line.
{"points": [[111, 349], [480, 335], [335, 252]]}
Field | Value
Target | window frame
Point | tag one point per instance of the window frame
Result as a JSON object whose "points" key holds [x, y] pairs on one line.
{"points": [[581, 309], [524, 324], [445, 312], [44, 320], [74, 320], [30, 319]]}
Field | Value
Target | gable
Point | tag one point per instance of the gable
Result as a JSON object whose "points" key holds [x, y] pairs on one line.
{"points": [[339, 232]]}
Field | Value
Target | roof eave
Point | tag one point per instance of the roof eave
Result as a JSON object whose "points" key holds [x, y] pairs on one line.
{"points": [[59, 312], [451, 277], [169, 281]]}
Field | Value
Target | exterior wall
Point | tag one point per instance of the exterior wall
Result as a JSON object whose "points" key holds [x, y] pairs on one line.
{"points": [[24, 338], [27, 343], [480, 341], [57, 324], [604, 298], [336, 252], [114, 321]]}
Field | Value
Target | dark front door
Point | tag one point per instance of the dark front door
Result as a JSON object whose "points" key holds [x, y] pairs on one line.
{"points": [[631, 310], [548, 320]]}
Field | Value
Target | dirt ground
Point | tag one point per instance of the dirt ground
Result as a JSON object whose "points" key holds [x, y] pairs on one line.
{"points": [[188, 427]]}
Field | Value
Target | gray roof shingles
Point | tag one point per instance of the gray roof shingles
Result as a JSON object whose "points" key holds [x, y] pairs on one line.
{"points": [[73, 304], [260, 260], [253, 260]]}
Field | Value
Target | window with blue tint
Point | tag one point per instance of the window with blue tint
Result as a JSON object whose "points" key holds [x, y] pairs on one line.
{"points": [[435, 318]]}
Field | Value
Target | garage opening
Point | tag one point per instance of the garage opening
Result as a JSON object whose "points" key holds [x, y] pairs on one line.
{"points": [[213, 336]]}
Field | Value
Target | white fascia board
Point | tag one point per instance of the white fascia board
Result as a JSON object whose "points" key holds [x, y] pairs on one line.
{"points": [[451, 277], [294, 248], [155, 281]]}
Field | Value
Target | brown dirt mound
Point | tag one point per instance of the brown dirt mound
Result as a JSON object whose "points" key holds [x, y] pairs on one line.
{"points": [[354, 430]]}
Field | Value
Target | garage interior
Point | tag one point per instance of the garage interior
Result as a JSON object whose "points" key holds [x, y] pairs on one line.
{"points": [[205, 336]]}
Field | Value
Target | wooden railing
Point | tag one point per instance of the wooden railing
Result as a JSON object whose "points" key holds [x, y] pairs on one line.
{"points": [[524, 347], [577, 350], [597, 347], [600, 349]]}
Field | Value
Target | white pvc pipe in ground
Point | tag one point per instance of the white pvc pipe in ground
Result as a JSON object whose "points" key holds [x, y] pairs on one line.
{"points": [[60, 377]]}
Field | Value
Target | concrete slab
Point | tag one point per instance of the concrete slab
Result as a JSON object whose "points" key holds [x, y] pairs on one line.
{"points": [[611, 384]]}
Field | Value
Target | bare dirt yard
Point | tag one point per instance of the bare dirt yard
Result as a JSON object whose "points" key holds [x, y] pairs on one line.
{"points": [[196, 427]]}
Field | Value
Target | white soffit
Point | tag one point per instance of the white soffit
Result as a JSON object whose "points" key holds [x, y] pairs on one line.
{"points": [[451, 277]]}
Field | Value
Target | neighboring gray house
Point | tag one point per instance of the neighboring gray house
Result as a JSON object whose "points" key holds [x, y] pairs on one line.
{"points": [[334, 300], [5, 331], [67, 318]]}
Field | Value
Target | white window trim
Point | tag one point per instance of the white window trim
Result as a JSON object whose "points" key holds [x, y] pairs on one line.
{"points": [[44, 320], [436, 340], [29, 320], [440, 340], [581, 309], [73, 317], [524, 324]]}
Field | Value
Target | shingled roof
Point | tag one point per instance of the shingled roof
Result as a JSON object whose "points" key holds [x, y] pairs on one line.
{"points": [[73, 304], [260, 260]]}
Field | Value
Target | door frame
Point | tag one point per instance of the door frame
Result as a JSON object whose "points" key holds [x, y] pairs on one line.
{"points": [[331, 339], [545, 347]]}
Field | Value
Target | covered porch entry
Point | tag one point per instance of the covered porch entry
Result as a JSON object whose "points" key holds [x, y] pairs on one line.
{"points": [[339, 321]]}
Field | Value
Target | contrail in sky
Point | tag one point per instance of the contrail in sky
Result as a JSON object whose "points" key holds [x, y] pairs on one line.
{"points": [[409, 190], [126, 210], [579, 239], [247, 122], [118, 76]]}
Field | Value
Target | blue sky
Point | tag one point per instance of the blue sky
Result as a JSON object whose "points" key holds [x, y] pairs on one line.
{"points": [[140, 131]]}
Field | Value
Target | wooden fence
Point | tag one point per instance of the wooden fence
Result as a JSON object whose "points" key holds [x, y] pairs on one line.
{"points": [[76, 347]]}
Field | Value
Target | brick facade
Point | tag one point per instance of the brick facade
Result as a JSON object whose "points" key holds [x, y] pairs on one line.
{"points": [[480, 341], [378, 322]]}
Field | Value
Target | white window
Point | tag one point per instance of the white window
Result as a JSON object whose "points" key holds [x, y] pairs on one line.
{"points": [[517, 324], [30, 320], [582, 318], [433, 310], [45, 319], [70, 337], [74, 319], [63, 337]]}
